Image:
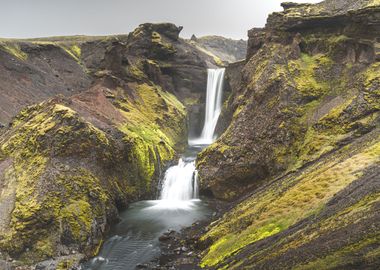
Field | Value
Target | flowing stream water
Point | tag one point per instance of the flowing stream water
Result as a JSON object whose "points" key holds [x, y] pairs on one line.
{"points": [[134, 240]]}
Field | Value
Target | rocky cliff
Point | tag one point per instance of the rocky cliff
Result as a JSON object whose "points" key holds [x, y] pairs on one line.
{"points": [[222, 49], [300, 148], [70, 162]]}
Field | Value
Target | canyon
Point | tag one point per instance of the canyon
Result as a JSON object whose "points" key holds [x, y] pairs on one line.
{"points": [[89, 125]]}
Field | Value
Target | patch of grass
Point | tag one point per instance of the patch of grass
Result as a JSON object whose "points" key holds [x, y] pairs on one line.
{"points": [[13, 49]]}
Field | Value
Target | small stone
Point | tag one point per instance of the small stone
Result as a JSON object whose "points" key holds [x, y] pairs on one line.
{"points": [[163, 238]]}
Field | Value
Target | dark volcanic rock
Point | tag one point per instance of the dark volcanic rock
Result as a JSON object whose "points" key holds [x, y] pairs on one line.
{"points": [[224, 49]]}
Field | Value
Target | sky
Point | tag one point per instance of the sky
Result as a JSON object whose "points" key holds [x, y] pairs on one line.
{"points": [[43, 18]]}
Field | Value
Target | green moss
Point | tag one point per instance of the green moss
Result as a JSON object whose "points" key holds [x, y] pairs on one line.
{"points": [[305, 78], [277, 208], [371, 80], [341, 258], [73, 200], [153, 115], [66, 264], [13, 49], [154, 125], [162, 47], [78, 216], [74, 50], [136, 72]]}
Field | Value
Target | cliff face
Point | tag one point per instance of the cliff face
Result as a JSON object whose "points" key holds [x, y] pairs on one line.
{"points": [[224, 49], [301, 143], [67, 164], [292, 92]]}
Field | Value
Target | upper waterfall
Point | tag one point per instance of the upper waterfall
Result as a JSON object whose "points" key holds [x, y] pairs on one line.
{"points": [[213, 106]]}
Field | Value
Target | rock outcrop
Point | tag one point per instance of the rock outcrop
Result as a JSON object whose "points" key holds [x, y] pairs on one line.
{"points": [[223, 49], [300, 148]]}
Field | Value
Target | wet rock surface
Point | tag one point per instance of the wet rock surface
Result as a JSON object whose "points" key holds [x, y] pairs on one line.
{"points": [[182, 249]]}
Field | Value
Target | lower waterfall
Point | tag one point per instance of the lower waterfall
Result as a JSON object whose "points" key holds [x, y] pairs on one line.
{"points": [[180, 182]]}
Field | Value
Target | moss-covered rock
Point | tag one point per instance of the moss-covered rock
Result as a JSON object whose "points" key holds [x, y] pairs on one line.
{"points": [[292, 199], [302, 146], [291, 109], [69, 176]]}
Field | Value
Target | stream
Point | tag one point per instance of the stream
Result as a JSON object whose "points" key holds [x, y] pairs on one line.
{"points": [[135, 239]]}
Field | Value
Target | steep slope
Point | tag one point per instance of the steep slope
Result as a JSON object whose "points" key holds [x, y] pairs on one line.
{"points": [[301, 145], [33, 71]]}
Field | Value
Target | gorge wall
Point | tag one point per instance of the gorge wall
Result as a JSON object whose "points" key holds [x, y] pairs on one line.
{"points": [[105, 116], [300, 148]]}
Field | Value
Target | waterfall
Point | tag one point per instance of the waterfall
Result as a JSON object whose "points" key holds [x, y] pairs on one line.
{"points": [[180, 182], [213, 106]]}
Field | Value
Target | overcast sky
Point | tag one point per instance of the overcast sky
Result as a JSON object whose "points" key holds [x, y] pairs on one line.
{"points": [[41, 18]]}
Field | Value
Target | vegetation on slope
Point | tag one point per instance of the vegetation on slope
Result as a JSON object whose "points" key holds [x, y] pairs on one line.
{"points": [[302, 146]]}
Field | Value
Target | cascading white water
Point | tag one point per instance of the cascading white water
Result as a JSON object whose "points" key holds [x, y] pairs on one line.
{"points": [[213, 106], [180, 182]]}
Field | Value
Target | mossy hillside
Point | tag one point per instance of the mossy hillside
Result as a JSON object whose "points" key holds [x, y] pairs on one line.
{"points": [[284, 203], [53, 206], [318, 234], [357, 212], [154, 128], [311, 105], [13, 48], [342, 122]]}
